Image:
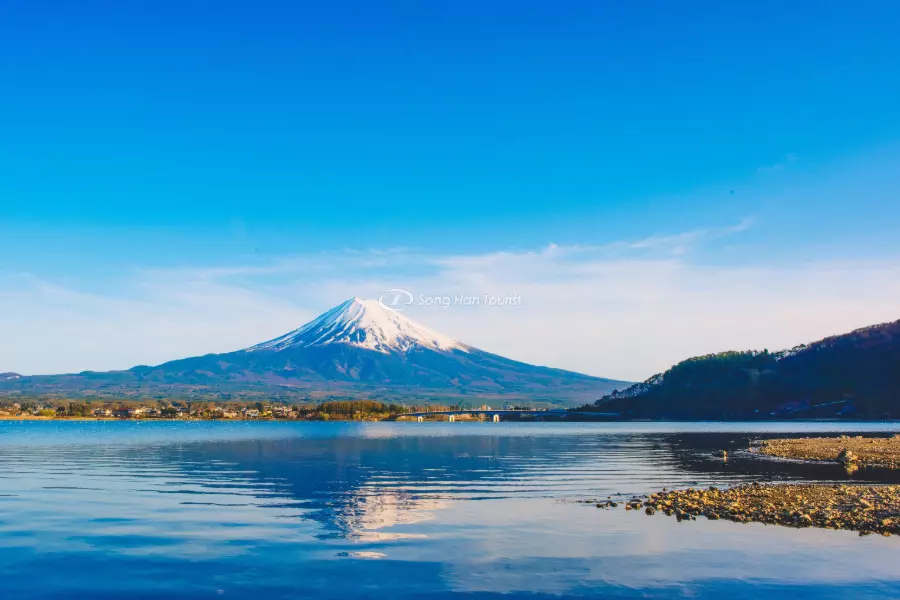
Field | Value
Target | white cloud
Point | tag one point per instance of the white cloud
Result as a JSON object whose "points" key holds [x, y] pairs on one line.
{"points": [[48, 328], [629, 319], [624, 310], [786, 161]]}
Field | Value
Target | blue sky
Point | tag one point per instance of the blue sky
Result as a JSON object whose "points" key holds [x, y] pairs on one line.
{"points": [[150, 147]]}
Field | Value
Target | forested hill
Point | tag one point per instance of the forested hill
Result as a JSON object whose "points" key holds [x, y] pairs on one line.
{"points": [[855, 375]]}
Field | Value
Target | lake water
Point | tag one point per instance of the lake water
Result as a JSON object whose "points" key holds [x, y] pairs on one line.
{"points": [[404, 510]]}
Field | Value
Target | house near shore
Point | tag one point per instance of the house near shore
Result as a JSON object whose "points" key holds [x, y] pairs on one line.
{"points": [[281, 411], [131, 412], [223, 413]]}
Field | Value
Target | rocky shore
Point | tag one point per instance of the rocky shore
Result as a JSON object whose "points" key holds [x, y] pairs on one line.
{"points": [[863, 508], [852, 452]]}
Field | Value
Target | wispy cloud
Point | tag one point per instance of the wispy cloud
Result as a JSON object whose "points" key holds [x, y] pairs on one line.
{"points": [[787, 161], [624, 310]]}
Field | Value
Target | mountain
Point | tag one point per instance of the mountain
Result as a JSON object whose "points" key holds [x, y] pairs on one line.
{"points": [[852, 375], [358, 349], [363, 324], [9, 376]]}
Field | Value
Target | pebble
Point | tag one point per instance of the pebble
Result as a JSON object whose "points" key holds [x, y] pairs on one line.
{"points": [[863, 508], [851, 452]]}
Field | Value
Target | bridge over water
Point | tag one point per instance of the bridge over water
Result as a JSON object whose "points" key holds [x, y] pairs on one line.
{"points": [[496, 414]]}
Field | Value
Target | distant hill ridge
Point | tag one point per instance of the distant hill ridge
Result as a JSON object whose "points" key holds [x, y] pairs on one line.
{"points": [[856, 374]]}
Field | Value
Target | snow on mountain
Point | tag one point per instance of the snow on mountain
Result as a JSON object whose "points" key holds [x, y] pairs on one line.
{"points": [[9, 376], [364, 324]]}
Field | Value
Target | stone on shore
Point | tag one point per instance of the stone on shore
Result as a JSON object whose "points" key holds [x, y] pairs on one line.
{"points": [[851, 452], [863, 508]]}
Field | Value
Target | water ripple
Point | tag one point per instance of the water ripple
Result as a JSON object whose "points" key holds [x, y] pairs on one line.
{"points": [[262, 509]]}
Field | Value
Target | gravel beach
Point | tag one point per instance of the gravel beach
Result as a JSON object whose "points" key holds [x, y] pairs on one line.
{"points": [[850, 451], [864, 508]]}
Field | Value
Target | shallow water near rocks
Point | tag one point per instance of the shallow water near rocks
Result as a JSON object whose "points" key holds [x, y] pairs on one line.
{"points": [[407, 510]]}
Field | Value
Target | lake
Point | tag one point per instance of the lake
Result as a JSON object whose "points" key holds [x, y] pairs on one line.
{"points": [[407, 510]]}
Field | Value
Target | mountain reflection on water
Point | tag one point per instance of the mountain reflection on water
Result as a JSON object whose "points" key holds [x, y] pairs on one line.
{"points": [[280, 510]]}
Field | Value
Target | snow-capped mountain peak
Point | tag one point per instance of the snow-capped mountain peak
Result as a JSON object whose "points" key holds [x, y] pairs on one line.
{"points": [[364, 324]]}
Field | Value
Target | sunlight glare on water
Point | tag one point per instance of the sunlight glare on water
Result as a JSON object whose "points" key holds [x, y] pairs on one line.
{"points": [[287, 510]]}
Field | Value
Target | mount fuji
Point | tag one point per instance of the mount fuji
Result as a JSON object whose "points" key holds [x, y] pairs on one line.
{"points": [[363, 324], [358, 349]]}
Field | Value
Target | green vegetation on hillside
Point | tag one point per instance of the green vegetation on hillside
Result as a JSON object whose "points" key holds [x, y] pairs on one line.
{"points": [[852, 375]]}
